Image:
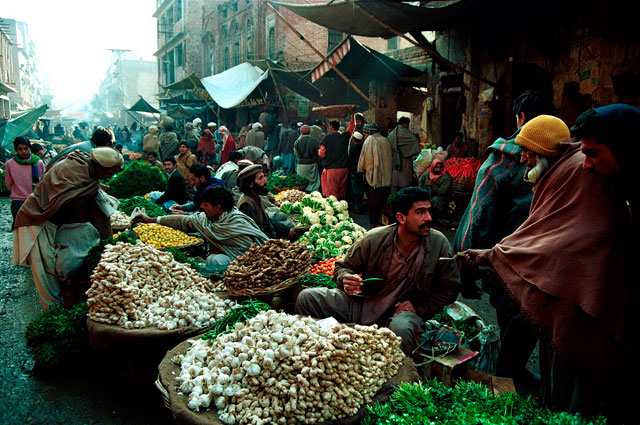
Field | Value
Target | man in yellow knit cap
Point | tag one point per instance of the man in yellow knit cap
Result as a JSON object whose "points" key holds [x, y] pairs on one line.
{"points": [[567, 269]]}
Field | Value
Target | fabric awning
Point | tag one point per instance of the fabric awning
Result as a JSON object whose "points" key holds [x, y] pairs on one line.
{"points": [[143, 106], [338, 54], [231, 87], [188, 83], [20, 126], [346, 16]]}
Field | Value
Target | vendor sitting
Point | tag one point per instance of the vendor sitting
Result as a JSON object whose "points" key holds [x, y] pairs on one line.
{"points": [[253, 183], [176, 192], [152, 159], [229, 231], [201, 179], [437, 182], [405, 255], [228, 172]]}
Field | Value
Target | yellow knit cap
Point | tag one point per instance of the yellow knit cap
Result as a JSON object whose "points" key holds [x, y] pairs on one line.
{"points": [[543, 135]]}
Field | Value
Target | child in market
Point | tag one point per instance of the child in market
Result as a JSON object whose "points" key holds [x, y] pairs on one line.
{"points": [[22, 173]]}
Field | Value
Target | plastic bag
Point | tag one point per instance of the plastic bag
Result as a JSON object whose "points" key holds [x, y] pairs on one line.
{"points": [[423, 161], [136, 212], [439, 154]]}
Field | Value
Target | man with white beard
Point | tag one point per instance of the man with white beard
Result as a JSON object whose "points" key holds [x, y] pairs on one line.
{"points": [[567, 268]]}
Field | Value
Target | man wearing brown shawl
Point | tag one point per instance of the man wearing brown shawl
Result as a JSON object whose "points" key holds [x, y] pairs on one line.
{"points": [[404, 145], [67, 209], [566, 267]]}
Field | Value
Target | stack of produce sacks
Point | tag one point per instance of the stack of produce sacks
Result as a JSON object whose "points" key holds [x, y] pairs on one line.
{"points": [[138, 286], [283, 369]]}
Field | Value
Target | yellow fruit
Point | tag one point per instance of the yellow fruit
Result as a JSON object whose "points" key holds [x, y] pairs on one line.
{"points": [[162, 236]]}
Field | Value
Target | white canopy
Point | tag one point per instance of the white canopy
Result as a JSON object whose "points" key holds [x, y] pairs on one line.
{"points": [[231, 87]]}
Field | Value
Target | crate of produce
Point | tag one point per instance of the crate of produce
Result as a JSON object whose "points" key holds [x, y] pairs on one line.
{"points": [[335, 111]]}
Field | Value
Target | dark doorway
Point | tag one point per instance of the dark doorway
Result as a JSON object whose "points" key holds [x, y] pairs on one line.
{"points": [[453, 103], [526, 76]]}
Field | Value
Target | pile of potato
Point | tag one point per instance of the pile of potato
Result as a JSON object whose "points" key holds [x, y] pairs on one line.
{"points": [[160, 236], [138, 286], [282, 369], [267, 265], [291, 195]]}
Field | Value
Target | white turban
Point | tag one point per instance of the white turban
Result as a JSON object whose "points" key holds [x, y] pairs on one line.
{"points": [[212, 124], [256, 125], [107, 157]]}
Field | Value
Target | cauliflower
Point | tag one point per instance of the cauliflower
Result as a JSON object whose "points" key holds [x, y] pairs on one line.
{"points": [[341, 217], [333, 198], [315, 194], [347, 240], [329, 210]]}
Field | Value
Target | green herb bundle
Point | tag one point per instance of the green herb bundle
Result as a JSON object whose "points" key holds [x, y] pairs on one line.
{"points": [[292, 180], [139, 178], [181, 257], [470, 330], [152, 210], [245, 311], [467, 403], [58, 335], [319, 280], [3, 186]]}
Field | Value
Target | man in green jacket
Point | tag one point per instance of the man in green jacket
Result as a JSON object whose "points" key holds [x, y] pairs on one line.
{"points": [[417, 285]]}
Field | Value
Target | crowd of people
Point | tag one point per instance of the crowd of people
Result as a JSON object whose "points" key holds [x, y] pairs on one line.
{"points": [[546, 232]]}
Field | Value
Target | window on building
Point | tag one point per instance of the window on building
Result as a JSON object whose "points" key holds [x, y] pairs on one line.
{"points": [[179, 52], [249, 41], [168, 67], [227, 59], [392, 43], [236, 53], [334, 38], [271, 43], [178, 10]]}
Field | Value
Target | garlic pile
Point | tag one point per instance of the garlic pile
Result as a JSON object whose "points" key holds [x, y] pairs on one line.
{"points": [[283, 369], [120, 219], [138, 286]]}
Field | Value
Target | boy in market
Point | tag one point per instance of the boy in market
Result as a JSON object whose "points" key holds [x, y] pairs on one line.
{"points": [[22, 173]]}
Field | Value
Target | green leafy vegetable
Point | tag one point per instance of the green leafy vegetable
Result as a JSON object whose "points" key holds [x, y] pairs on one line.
{"points": [[247, 310], [152, 210], [139, 178], [470, 330], [292, 180], [319, 280], [467, 403], [181, 257], [58, 336]]}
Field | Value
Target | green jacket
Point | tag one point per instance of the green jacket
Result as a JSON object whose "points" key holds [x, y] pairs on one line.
{"points": [[436, 287]]}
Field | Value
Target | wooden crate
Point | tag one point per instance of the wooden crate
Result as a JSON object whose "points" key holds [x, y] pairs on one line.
{"points": [[496, 384]]}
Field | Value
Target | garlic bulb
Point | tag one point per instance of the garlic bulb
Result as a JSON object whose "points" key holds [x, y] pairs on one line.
{"points": [[326, 375], [138, 286]]}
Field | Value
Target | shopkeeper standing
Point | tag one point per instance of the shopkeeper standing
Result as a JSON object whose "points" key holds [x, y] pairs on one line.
{"points": [[417, 285]]}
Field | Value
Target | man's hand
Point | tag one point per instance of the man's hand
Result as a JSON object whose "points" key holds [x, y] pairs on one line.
{"points": [[404, 306], [474, 258], [351, 283], [176, 207], [296, 232], [143, 218]]}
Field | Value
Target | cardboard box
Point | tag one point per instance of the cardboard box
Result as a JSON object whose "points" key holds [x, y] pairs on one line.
{"points": [[447, 368]]}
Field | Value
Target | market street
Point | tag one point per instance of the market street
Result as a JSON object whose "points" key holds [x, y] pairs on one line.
{"points": [[89, 394]]}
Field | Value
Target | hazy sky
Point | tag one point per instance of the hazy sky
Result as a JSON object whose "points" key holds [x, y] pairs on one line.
{"points": [[71, 38]]}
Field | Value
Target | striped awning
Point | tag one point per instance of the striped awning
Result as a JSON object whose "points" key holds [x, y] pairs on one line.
{"points": [[338, 54]]}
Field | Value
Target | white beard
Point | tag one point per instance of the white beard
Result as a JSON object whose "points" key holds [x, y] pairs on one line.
{"points": [[534, 174]]}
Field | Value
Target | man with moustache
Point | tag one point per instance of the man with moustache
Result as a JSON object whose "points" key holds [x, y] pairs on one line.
{"points": [[405, 255], [567, 269], [253, 183]]}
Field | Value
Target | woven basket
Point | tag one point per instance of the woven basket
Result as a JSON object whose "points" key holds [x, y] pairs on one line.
{"points": [[334, 111], [463, 185], [163, 392], [270, 290], [300, 188]]}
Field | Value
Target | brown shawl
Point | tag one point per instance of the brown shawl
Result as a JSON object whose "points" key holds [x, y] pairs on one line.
{"points": [[68, 180], [567, 267]]}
